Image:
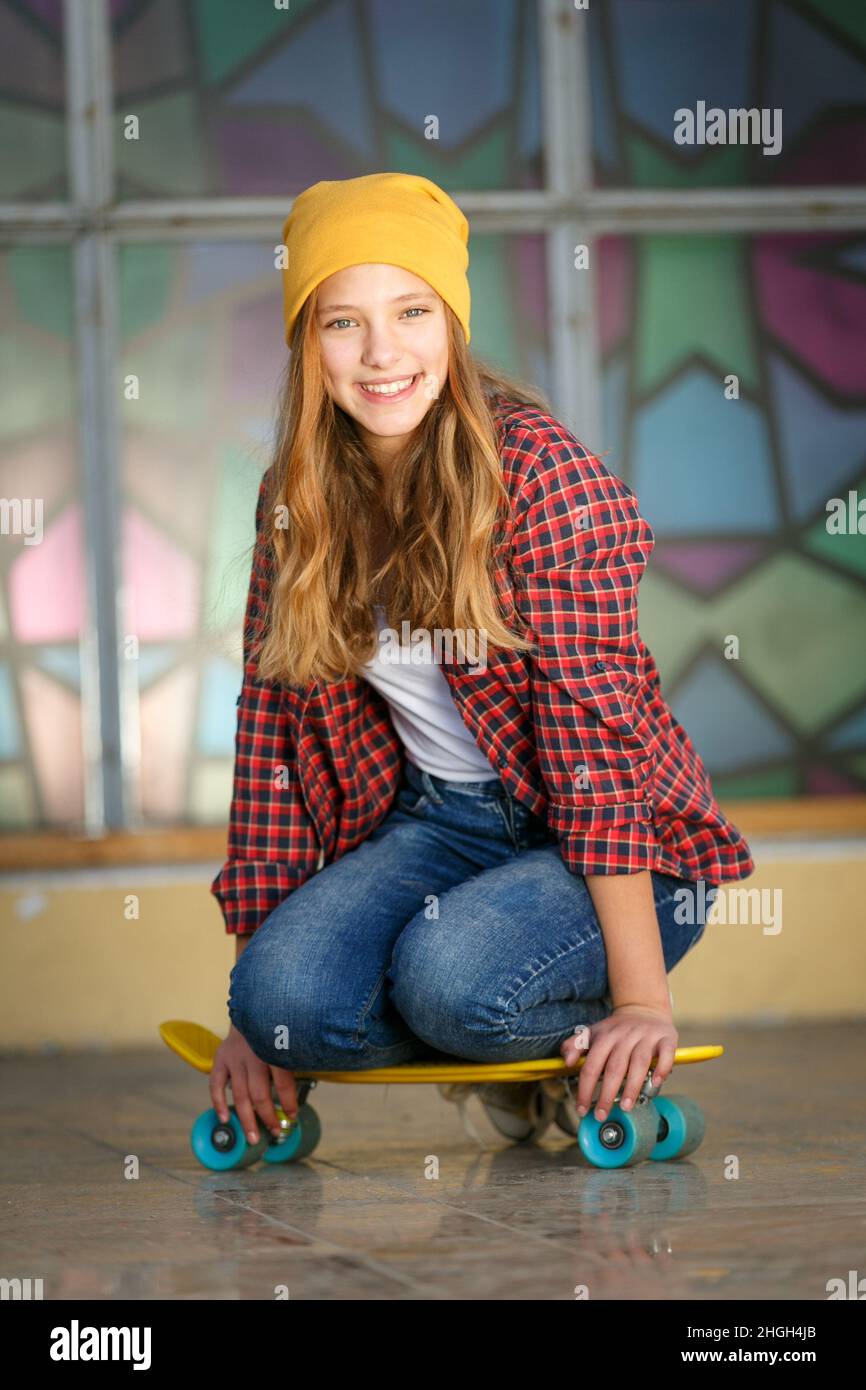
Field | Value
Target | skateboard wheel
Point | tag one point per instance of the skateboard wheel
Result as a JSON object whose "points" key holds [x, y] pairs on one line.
{"points": [[301, 1140], [221, 1147], [622, 1138], [311, 1130], [681, 1127]]}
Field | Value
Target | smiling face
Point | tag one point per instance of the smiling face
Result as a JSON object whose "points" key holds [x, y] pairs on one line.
{"points": [[383, 337]]}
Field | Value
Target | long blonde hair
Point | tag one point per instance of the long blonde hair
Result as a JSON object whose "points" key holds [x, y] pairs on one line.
{"points": [[445, 506]]}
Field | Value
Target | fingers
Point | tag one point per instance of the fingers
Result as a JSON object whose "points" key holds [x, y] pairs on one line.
{"points": [[577, 1043], [259, 1079], [593, 1066], [250, 1080], [217, 1082], [621, 1064], [287, 1092], [664, 1067], [243, 1106], [615, 1068], [252, 1095], [641, 1061]]}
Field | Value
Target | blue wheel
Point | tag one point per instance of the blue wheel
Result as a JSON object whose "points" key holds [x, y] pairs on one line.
{"points": [[681, 1127], [221, 1147], [299, 1142], [311, 1130], [623, 1138]]}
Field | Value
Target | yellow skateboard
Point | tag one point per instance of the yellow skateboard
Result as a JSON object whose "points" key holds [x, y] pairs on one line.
{"points": [[657, 1127]]}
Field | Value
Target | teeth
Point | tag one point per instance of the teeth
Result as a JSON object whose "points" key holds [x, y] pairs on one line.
{"points": [[390, 389]]}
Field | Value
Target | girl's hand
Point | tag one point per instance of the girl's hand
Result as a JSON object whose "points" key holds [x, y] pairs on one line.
{"points": [[251, 1080], [622, 1047]]}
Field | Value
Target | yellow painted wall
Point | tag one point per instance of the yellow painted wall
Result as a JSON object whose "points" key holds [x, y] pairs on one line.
{"points": [[77, 973]]}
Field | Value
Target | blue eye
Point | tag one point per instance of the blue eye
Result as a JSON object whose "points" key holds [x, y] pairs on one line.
{"points": [[415, 309]]}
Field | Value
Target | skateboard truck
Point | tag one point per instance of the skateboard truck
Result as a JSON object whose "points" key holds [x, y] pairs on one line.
{"points": [[286, 1123]]}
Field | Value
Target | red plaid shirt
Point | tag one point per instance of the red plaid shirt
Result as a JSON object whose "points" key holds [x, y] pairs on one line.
{"points": [[579, 732]]}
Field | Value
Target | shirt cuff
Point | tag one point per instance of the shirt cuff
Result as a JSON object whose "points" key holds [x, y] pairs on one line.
{"points": [[614, 839], [248, 890]]}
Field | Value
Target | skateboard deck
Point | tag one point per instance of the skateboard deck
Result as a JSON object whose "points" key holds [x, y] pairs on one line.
{"points": [[657, 1127], [198, 1047]]}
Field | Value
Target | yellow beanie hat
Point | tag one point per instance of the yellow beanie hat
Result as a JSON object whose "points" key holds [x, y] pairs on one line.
{"points": [[398, 219]]}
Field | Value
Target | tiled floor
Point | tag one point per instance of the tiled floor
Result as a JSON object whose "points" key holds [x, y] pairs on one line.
{"points": [[361, 1219]]}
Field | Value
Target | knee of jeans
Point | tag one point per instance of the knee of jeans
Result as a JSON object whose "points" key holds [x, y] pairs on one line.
{"points": [[440, 1008], [240, 993], [286, 1021], [263, 1009]]}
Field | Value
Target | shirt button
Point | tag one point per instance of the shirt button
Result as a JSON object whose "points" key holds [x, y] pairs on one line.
{"points": [[601, 666], [501, 762]]}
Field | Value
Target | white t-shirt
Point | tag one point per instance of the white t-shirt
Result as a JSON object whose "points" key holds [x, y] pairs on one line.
{"points": [[423, 713]]}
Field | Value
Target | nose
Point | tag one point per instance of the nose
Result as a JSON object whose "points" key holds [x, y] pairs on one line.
{"points": [[381, 347]]}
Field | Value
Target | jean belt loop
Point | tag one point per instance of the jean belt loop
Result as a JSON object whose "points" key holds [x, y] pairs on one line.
{"points": [[430, 789]]}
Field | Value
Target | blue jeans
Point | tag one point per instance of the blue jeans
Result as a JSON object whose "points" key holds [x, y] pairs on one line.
{"points": [[455, 929]]}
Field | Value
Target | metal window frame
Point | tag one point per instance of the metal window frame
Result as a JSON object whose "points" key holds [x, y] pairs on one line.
{"points": [[105, 734], [568, 211]]}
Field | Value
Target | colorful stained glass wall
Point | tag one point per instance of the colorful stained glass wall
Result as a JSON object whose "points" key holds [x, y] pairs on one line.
{"points": [[805, 58], [737, 487], [32, 101], [42, 573], [247, 99]]}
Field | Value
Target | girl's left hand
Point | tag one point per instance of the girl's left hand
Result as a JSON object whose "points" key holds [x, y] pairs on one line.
{"points": [[622, 1046]]}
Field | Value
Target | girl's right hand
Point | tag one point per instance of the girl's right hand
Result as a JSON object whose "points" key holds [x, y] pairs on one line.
{"points": [[251, 1081]]}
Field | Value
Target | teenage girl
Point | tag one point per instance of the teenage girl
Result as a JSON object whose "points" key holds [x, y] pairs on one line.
{"points": [[435, 848]]}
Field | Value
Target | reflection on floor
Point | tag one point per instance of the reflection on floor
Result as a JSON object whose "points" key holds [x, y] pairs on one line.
{"points": [[396, 1202]]}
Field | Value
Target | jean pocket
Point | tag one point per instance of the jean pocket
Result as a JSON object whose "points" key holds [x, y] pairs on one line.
{"points": [[411, 801]]}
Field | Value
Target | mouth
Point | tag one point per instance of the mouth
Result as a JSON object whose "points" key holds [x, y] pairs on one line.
{"points": [[397, 389]]}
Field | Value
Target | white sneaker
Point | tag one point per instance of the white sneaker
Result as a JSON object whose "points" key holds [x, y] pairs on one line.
{"points": [[521, 1110]]}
